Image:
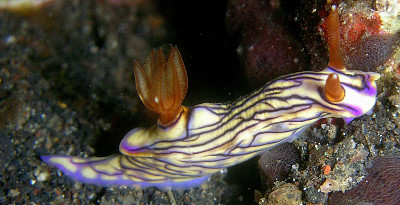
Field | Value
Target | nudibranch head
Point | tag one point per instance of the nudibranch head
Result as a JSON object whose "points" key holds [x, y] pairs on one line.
{"points": [[353, 91]]}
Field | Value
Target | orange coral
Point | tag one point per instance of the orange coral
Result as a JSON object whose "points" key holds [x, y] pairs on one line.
{"points": [[326, 169]]}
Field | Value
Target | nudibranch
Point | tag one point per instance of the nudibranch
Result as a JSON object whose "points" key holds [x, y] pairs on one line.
{"points": [[188, 144]]}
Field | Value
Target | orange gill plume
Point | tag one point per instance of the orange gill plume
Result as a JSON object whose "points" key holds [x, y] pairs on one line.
{"points": [[333, 31], [162, 84], [334, 91]]}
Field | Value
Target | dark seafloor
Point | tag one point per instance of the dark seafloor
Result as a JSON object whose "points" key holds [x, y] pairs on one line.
{"points": [[67, 88]]}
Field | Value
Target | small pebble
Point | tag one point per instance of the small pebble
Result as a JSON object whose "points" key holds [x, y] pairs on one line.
{"points": [[10, 40], [92, 196], [13, 193], [44, 176], [329, 185], [287, 194], [397, 131]]}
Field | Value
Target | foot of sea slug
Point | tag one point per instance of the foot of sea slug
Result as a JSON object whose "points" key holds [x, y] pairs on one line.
{"points": [[101, 171], [107, 171]]}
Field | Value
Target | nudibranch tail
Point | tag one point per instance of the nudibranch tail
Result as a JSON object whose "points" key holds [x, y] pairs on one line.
{"points": [[101, 171], [118, 170], [333, 31], [162, 84]]}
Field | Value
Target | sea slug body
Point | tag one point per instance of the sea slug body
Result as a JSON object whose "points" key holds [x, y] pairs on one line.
{"points": [[188, 144]]}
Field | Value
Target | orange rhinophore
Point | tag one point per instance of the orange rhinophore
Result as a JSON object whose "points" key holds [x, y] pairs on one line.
{"points": [[333, 31], [334, 91], [162, 84]]}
